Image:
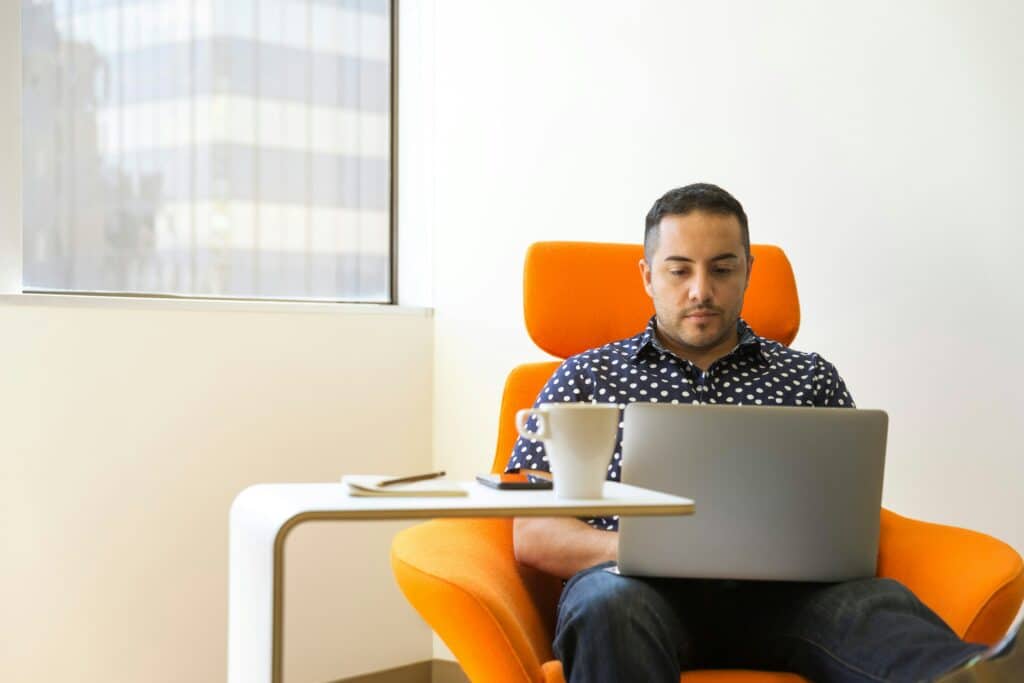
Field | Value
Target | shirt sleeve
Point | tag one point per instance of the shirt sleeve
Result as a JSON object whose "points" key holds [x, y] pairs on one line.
{"points": [[829, 388], [565, 385]]}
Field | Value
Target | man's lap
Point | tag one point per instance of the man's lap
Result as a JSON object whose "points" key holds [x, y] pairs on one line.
{"points": [[754, 624]]}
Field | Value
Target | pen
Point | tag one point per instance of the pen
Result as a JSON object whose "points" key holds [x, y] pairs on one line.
{"points": [[409, 480]]}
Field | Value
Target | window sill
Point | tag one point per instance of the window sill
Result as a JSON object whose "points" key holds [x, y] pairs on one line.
{"points": [[209, 305]]}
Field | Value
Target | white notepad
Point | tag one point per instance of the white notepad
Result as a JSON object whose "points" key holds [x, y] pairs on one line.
{"points": [[369, 485]]}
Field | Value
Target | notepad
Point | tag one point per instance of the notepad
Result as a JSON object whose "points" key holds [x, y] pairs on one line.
{"points": [[369, 485]]}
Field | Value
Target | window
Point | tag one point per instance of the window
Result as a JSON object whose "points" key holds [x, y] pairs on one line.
{"points": [[225, 148]]}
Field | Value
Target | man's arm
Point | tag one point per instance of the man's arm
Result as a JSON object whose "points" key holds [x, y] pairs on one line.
{"points": [[562, 546], [558, 546]]}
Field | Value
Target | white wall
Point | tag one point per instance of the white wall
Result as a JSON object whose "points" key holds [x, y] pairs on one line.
{"points": [[128, 430], [879, 143]]}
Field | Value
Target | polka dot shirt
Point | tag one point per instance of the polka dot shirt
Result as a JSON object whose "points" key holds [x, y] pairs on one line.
{"points": [[757, 371]]}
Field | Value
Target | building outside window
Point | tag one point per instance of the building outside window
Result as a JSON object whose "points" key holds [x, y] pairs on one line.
{"points": [[226, 148]]}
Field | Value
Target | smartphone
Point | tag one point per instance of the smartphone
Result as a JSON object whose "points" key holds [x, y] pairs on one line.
{"points": [[516, 480]]}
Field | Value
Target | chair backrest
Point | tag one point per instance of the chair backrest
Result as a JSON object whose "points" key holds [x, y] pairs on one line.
{"points": [[579, 295]]}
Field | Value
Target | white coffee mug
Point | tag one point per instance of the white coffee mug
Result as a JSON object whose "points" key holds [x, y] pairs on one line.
{"points": [[579, 439]]}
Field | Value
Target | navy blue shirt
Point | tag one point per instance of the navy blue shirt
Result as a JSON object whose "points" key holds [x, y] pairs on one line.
{"points": [[757, 371]]}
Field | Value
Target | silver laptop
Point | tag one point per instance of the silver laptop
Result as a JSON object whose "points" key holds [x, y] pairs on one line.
{"points": [[781, 493]]}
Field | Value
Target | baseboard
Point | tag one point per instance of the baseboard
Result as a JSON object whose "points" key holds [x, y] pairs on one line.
{"points": [[430, 671], [446, 671]]}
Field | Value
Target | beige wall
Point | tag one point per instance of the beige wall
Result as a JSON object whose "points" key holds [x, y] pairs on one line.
{"points": [[127, 429]]}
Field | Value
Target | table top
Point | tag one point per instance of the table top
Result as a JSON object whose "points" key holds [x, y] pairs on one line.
{"points": [[332, 501]]}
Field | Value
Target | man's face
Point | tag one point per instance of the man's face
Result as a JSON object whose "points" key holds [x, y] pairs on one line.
{"points": [[697, 277]]}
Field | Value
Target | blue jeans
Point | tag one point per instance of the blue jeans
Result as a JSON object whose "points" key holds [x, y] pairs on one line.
{"points": [[619, 629]]}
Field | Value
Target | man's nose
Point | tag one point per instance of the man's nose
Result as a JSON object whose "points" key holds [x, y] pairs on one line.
{"points": [[700, 287]]}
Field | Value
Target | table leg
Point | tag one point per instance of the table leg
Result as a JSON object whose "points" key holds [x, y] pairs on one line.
{"points": [[255, 577]]}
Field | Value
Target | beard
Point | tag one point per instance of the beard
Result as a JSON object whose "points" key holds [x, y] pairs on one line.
{"points": [[699, 337]]}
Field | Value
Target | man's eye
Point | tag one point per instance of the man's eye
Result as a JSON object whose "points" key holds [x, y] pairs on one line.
{"points": [[677, 272], [723, 271]]}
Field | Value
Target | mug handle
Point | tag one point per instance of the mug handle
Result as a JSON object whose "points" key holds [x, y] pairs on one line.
{"points": [[542, 426]]}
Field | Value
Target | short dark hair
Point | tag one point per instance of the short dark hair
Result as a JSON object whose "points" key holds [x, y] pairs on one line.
{"points": [[697, 197]]}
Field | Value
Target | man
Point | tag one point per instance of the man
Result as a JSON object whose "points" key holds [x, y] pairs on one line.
{"points": [[696, 349]]}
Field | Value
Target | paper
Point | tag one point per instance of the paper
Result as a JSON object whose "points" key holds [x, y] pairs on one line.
{"points": [[368, 485]]}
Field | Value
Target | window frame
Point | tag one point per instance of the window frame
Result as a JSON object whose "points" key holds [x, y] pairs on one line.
{"points": [[11, 208]]}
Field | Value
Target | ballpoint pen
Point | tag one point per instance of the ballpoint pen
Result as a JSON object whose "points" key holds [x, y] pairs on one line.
{"points": [[409, 480]]}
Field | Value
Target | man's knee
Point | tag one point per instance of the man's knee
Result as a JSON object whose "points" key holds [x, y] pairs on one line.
{"points": [[601, 597], [856, 601], [871, 592], [620, 626]]}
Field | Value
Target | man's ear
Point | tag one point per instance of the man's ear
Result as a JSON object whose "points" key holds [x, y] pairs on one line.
{"points": [[645, 273], [750, 266]]}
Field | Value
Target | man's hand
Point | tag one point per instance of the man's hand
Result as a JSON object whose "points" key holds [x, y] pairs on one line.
{"points": [[562, 546]]}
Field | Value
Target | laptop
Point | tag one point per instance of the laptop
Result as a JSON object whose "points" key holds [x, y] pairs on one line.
{"points": [[781, 493]]}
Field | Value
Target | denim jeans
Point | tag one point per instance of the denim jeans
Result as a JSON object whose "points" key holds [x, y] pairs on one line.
{"points": [[621, 629]]}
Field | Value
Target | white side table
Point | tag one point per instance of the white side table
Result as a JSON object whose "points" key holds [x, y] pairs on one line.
{"points": [[263, 515]]}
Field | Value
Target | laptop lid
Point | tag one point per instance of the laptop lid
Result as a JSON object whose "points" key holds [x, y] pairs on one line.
{"points": [[782, 493]]}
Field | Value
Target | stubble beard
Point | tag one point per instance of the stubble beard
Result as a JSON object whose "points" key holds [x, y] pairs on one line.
{"points": [[678, 336]]}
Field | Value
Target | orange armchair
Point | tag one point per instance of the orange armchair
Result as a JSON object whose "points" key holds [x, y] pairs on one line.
{"points": [[497, 616]]}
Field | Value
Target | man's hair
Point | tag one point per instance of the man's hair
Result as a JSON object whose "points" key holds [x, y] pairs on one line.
{"points": [[697, 197]]}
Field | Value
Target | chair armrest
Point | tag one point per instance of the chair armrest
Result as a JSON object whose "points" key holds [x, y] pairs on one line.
{"points": [[461, 575], [971, 580]]}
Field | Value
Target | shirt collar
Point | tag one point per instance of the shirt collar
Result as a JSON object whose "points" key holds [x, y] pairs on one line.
{"points": [[749, 342]]}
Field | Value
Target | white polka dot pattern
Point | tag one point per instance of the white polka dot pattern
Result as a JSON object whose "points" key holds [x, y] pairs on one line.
{"points": [[758, 371]]}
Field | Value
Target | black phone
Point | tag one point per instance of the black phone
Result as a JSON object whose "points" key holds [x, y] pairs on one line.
{"points": [[514, 480]]}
